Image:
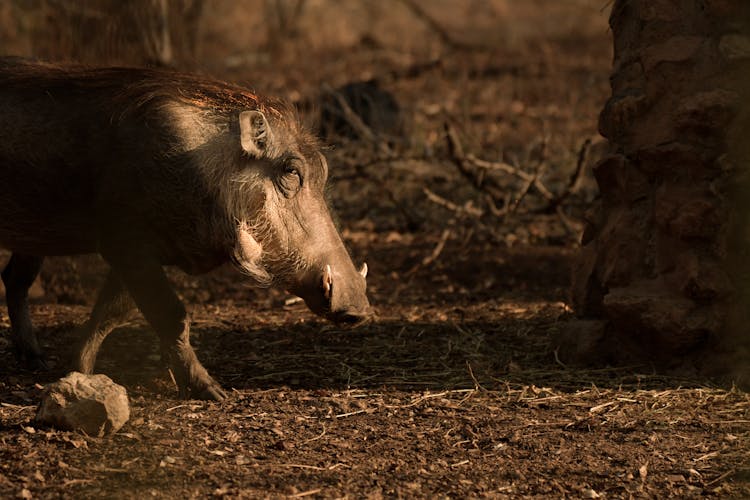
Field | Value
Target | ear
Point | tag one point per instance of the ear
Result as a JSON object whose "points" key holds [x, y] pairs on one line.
{"points": [[255, 133]]}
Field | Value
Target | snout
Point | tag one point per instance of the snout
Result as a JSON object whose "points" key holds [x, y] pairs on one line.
{"points": [[339, 294], [351, 317]]}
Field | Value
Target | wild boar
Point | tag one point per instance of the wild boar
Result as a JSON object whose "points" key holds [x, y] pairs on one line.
{"points": [[152, 168]]}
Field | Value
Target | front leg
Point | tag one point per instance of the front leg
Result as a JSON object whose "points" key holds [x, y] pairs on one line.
{"points": [[144, 278], [193, 380]]}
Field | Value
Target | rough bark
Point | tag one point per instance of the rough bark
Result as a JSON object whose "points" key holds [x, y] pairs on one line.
{"points": [[664, 257]]}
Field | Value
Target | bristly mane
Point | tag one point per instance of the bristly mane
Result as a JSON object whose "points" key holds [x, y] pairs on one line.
{"points": [[125, 91], [136, 88]]}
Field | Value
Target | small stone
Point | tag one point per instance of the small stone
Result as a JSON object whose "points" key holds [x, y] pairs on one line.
{"points": [[92, 404], [589, 493]]}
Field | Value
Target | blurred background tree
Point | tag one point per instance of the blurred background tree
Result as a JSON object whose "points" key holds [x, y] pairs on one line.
{"points": [[155, 32]]}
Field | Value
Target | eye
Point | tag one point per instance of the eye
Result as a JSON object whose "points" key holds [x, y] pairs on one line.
{"points": [[290, 180]]}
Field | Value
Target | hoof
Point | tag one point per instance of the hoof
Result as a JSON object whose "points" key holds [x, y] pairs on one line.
{"points": [[210, 391], [213, 393], [31, 360], [37, 364]]}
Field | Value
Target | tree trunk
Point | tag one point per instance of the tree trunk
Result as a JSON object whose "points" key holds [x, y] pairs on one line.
{"points": [[664, 260]]}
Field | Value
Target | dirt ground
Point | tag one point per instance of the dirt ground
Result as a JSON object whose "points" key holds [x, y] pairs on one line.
{"points": [[457, 389]]}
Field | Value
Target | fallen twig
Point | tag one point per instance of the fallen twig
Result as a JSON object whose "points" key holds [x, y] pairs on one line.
{"points": [[319, 436], [73, 482], [351, 413], [721, 478], [477, 385], [306, 493], [299, 466]]}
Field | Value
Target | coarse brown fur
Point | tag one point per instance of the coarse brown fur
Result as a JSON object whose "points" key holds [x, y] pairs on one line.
{"points": [[150, 168]]}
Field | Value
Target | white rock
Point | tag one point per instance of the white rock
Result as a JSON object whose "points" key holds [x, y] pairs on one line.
{"points": [[89, 403]]}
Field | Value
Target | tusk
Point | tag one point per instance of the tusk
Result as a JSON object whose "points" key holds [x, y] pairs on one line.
{"points": [[363, 271], [327, 281]]}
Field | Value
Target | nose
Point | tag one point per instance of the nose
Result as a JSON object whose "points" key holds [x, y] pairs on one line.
{"points": [[342, 298], [351, 317]]}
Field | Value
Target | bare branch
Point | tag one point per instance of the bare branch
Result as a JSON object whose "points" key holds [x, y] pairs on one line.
{"points": [[429, 259], [514, 171], [473, 169], [441, 32], [522, 194], [499, 201], [573, 228], [439, 200], [575, 178]]}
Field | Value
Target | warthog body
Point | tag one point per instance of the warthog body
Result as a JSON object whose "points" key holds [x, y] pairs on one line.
{"points": [[152, 168]]}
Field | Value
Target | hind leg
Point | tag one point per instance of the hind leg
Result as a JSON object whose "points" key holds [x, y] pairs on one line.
{"points": [[18, 276], [112, 309]]}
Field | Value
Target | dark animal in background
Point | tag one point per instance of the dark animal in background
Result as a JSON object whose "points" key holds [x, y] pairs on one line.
{"points": [[375, 107], [152, 168]]}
